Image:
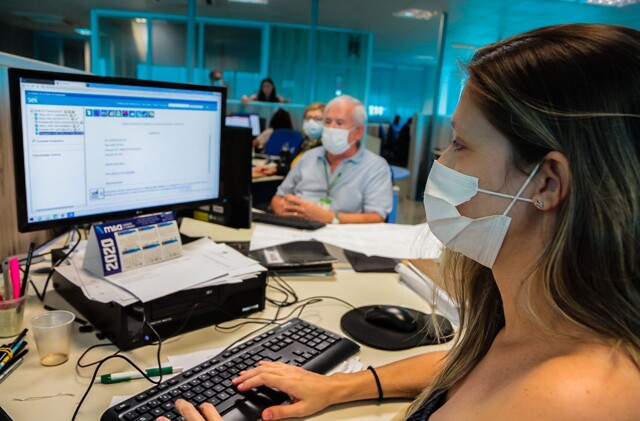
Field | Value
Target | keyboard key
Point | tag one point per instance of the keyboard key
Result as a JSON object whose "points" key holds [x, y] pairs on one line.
{"points": [[122, 407]]}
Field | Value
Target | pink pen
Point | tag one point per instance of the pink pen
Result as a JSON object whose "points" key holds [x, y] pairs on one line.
{"points": [[14, 272]]}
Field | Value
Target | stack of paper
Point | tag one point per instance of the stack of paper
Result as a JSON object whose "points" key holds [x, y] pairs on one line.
{"points": [[204, 263], [387, 240]]}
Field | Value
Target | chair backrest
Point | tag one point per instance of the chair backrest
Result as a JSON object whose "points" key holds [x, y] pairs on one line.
{"points": [[281, 137]]}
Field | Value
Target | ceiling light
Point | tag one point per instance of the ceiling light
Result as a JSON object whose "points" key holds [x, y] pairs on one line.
{"points": [[83, 31], [250, 1], [464, 46], [611, 3], [415, 14]]}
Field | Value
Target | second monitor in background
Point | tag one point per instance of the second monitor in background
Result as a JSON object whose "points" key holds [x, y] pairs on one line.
{"points": [[253, 121]]}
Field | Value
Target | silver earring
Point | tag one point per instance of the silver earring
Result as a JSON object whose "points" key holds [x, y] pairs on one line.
{"points": [[539, 203]]}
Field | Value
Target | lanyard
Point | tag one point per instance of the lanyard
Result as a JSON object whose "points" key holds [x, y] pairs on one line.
{"points": [[333, 182]]}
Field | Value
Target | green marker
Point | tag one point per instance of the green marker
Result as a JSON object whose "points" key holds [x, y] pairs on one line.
{"points": [[130, 375]]}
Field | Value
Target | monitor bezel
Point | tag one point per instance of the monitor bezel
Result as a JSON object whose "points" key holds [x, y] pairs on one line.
{"points": [[24, 225]]}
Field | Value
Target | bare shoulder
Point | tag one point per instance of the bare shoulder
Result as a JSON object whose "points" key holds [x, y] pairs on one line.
{"points": [[593, 383]]}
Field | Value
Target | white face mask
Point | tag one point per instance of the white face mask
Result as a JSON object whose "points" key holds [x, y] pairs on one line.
{"points": [[335, 141], [312, 128], [478, 239]]}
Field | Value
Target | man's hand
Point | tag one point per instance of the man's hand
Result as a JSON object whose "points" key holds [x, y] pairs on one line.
{"points": [[295, 206]]}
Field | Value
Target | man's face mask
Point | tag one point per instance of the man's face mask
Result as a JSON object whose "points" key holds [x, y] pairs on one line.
{"points": [[478, 239], [335, 141]]}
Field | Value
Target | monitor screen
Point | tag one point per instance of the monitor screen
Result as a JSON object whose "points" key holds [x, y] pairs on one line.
{"points": [[90, 148], [245, 120]]}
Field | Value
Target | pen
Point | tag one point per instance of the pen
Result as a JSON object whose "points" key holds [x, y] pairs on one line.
{"points": [[12, 368], [14, 272], [125, 377], [13, 361], [4, 354], [14, 351], [27, 268]]}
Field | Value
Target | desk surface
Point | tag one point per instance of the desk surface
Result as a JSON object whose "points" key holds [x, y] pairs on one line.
{"points": [[32, 379]]}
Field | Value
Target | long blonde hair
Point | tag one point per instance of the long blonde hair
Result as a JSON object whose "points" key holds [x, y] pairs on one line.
{"points": [[573, 89]]}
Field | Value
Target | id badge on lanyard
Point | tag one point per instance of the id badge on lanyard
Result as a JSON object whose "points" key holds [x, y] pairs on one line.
{"points": [[325, 203]]}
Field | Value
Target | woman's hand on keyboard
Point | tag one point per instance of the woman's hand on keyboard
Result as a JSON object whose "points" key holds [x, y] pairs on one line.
{"points": [[190, 413], [309, 392]]}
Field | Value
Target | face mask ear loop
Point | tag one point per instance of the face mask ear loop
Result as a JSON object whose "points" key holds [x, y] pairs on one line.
{"points": [[526, 183]]}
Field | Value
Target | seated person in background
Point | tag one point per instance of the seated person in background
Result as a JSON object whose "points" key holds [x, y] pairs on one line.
{"points": [[341, 182], [216, 79], [311, 129], [312, 120], [267, 93], [544, 259], [281, 119]]}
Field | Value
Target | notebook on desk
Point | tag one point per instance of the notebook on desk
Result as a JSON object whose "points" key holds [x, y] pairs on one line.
{"points": [[296, 257]]}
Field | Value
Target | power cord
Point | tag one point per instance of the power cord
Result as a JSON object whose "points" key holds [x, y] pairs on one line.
{"points": [[41, 295], [116, 355]]}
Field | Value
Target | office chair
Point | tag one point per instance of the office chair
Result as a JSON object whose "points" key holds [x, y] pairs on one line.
{"points": [[279, 138]]}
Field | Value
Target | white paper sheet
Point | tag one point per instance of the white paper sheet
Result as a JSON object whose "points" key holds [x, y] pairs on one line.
{"points": [[265, 235], [171, 276], [204, 264], [387, 240]]}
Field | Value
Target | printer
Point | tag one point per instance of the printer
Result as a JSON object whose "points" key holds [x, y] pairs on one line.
{"points": [[183, 311]]}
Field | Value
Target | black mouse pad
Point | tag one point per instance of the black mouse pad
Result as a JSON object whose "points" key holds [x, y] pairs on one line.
{"points": [[354, 324]]}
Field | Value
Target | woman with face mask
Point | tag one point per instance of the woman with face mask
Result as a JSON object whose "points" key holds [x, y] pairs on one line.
{"points": [[311, 129], [537, 201]]}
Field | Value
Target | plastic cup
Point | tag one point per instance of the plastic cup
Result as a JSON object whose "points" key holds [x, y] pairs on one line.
{"points": [[52, 331], [11, 315]]}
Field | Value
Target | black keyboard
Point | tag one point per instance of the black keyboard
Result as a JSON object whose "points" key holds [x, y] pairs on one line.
{"points": [[296, 342], [286, 221]]}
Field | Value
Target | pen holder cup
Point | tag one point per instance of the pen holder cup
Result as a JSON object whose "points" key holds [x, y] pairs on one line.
{"points": [[11, 315], [52, 332]]}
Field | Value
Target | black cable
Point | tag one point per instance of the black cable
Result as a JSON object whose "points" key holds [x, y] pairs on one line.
{"points": [[95, 374], [284, 288], [116, 355], [41, 296]]}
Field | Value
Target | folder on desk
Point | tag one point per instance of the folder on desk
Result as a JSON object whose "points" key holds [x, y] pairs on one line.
{"points": [[296, 257], [363, 263]]}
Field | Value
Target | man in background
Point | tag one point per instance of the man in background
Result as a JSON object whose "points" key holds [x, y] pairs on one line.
{"points": [[340, 182]]}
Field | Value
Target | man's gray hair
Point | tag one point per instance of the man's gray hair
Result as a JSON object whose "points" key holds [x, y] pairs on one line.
{"points": [[359, 114]]}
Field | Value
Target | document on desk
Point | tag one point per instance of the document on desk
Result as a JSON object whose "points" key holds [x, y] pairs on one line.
{"points": [[94, 287], [203, 263], [396, 241], [208, 264], [271, 235], [238, 266]]}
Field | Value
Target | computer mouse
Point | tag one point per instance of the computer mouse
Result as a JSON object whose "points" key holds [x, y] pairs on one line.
{"points": [[395, 318]]}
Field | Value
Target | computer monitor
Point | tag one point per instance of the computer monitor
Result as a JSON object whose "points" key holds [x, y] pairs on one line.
{"points": [[245, 120], [90, 148]]}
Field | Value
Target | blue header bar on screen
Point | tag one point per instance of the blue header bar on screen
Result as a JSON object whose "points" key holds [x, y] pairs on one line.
{"points": [[89, 100]]}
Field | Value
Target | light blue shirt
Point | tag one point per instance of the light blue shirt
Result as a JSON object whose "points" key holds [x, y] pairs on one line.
{"points": [[360, 184]]}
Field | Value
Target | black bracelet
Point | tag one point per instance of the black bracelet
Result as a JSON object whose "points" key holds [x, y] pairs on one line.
{"points": [[375, 376]]}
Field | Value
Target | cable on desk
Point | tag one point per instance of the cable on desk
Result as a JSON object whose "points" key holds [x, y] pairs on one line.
{"points": [[41, 296], [116, 355], [284, 288]]}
